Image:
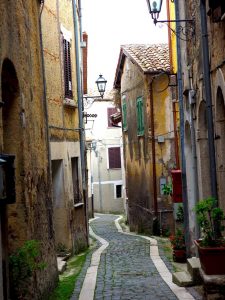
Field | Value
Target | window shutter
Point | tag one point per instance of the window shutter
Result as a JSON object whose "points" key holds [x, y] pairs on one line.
{"points": [[67, 69], [124, 114], [114, 158], [140, 116], [110, 111]]}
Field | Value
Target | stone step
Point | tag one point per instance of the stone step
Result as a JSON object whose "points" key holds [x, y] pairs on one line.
{"points": [[193, 267], [61, 265], [182, 279]]}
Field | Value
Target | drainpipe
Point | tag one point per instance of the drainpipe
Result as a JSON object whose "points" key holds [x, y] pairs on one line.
{"points": [[49, 204], [153, 151], [182, 130], [99, 183], [79, 92], [208, 95], [191, 98], [45, 92], [77, 34]]}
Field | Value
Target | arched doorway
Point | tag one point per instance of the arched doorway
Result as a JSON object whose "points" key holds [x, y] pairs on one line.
{"points": [[10, 144], [220, 145], [203, 153]]}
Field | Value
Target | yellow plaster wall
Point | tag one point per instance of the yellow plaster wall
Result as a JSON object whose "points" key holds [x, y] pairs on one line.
{"points": [[23, 133], [55, 14], [173, 37], [63, 120]]}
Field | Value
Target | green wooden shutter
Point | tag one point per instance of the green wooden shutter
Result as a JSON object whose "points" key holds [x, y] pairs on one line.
{"points": [[140, 116], [124, 113]]}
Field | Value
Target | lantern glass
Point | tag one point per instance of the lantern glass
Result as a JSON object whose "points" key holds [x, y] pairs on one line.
{"points": [[101, 84], [154, 7]]}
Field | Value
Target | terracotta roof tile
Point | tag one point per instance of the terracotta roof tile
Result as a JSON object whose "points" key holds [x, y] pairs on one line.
{"points": [[150, 58]]}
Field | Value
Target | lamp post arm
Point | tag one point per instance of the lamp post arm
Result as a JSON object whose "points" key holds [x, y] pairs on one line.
{"points": [[174, 21], [92, 97]]}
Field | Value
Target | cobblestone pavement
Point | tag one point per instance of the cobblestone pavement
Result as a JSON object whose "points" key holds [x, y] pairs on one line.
{"points": [[126, 270]]}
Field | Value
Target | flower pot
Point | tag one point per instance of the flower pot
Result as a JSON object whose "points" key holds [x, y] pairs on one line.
{"points": [[212, 259], [179, 255]]}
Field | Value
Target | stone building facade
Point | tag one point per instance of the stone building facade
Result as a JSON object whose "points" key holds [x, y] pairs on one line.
{"points": [[204, 167], [62, 54], [24, 135], [148, 139]]}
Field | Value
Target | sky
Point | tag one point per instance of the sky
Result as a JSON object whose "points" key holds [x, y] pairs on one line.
{"points": [[111, 23]]}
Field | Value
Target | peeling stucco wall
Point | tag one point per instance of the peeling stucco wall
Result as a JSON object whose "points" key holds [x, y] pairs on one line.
{"points": [[138, 150]]}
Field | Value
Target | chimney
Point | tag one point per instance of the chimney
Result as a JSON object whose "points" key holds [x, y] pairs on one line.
{"points": [[85, 53]]}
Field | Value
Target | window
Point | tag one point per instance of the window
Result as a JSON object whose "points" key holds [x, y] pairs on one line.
{"points": [[114, 158], [67, 69], [57, 183], [217, 10], [124, 113], [140, 116], [77, 196], [118, 191], [111, 111]]}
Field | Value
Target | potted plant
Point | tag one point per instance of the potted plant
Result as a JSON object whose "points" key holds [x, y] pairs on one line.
{"points": [[211, 247], [178, 244], [167, 189]]}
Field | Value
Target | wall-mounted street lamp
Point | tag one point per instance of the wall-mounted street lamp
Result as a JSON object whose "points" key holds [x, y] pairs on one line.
{"points": [[155, 6], [101, 84]]}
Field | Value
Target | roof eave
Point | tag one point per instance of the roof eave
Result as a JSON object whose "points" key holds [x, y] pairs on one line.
{"points": [[119, 70], [157, 72]]}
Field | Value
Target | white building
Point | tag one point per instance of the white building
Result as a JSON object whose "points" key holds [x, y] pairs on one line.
{"points": [[104, 155]]}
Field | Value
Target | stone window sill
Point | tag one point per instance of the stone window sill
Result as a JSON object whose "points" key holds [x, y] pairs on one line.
{"points": [[69, 102], [78, 205]]}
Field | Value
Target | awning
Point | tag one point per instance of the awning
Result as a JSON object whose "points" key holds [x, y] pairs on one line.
{"points": [[116, 118]]}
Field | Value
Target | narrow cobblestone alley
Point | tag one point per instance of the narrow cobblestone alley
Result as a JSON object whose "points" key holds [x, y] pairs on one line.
{"points": [[126, 270]]}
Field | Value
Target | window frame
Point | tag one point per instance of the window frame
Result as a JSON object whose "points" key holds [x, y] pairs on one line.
{"points": [[108, 159], [66, 42], [109, 123], [75, 176], [67, 69], [115, 191]]}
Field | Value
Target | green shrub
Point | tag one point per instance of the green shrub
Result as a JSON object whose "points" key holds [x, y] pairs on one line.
{"points": [[22, 265]]}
